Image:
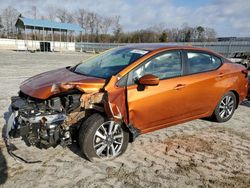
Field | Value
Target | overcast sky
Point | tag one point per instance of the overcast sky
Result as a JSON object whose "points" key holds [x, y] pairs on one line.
{"points": [[227, 17]]}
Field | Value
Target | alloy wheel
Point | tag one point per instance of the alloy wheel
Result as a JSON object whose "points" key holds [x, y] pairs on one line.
{"points": [[226, 107], [108, 139]]}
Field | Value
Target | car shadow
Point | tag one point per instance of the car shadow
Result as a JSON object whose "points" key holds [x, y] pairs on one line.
{"points": [[3, 162], [75, 148], [3, 168], [246, 103]]}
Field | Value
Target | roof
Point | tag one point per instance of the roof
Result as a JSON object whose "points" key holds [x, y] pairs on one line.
{"points": [[156, 46], [46, 24], [160, 46]]}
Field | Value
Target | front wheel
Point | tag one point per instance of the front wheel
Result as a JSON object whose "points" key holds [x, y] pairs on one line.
{"points": [[102, 139], [225, 108]]}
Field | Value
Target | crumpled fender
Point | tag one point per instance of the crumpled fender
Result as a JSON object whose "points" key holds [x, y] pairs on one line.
{"points": [[110, 100], [116, 100], [83, 87]]}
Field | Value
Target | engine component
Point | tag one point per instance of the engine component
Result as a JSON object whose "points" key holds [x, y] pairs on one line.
{"points": [[41, 129], [41, 122]]}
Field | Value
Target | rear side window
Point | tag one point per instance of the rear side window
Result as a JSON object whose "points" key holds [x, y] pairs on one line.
{"points": [[198, 62]]}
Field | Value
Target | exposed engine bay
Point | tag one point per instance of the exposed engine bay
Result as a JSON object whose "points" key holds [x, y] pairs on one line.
{"points": [[59, 119], [46, 123]]}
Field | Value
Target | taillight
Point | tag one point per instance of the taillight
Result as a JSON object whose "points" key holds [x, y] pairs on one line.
{"points": [[245, 72]]}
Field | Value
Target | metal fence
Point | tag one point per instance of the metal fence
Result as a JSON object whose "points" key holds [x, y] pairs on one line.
{"points": [[227, 48]]}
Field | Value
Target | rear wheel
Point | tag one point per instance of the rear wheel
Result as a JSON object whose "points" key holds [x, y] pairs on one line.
{"points": [[225, 108], [102, 139]]}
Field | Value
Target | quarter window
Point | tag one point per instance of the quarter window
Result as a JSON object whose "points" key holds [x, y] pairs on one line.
{"points": [[164, 66], [201, 62]]}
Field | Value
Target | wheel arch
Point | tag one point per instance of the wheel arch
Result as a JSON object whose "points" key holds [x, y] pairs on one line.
{"points": [[237, 97]]}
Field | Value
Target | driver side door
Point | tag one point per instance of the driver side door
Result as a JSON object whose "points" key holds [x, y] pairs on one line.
{"points": [[154, 107]]}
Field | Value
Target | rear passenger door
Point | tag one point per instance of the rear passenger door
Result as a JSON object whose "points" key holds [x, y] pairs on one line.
{"points": [[201, 76]]}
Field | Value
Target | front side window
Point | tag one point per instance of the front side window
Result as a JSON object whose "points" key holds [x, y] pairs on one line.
{"points": [[198, 62], [109, 63], [165, 65]]}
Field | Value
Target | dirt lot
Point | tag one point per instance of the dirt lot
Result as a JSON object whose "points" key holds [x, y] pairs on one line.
{"points": [[194, 154]]}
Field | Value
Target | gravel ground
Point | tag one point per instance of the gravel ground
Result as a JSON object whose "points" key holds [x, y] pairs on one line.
{"points": [[194, 154]]}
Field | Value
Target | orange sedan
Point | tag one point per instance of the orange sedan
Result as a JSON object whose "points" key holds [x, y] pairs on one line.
{"points": [[109, 100]]}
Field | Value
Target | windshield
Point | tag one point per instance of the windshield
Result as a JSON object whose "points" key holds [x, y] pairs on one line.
{"points": [[109, 63]]}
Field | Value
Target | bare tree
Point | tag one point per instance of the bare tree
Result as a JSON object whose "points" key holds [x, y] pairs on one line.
{"points": [[9, 18], [51, 13], [1, 25], [210, 34], [70, 18], [98, 26], [61, 14], [159, 28], [117, 28], [92, 24], [83, 19], [64, 16], [200, 31], [163, 37], [34, 12], [186, 33], [81, 16], [106, 24]]}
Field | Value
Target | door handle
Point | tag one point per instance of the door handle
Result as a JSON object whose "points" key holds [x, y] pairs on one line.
{"points": [[180, 86]]}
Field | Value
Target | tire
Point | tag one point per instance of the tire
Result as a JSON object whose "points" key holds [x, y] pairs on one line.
{"points": [[95, 134], [225, 108]]}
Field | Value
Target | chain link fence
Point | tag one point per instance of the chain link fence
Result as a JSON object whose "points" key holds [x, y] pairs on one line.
{"points": [[227, 48]]}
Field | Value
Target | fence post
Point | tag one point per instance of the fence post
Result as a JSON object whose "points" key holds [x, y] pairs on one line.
{"points": [[229, 48]]}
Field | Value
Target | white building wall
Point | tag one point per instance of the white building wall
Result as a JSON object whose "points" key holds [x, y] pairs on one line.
{"points": [[13, 44]]}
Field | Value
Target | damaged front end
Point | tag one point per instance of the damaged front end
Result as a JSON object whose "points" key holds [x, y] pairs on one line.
{"points": [[49, 122], [42, 123]]}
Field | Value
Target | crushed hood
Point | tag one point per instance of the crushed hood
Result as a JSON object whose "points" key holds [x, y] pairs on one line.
{"points": [[40, 86]]}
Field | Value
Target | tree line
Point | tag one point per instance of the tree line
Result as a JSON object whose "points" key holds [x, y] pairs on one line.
{"points": [[98, 28]]}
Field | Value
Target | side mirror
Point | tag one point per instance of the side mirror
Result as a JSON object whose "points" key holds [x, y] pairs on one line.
{"points": [[149, 80]]}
